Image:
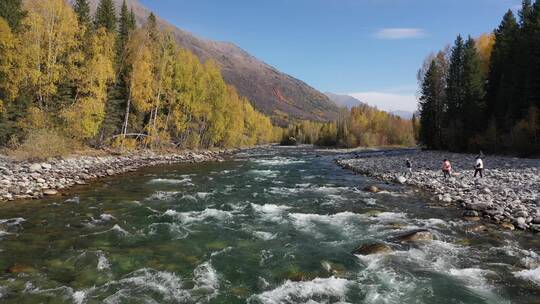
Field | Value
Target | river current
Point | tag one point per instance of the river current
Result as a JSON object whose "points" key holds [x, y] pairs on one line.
{"points": [[273, 225]]}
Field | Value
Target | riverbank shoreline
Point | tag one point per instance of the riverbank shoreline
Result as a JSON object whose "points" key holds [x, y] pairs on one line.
{"points": [[508, 194], [35, 180]]}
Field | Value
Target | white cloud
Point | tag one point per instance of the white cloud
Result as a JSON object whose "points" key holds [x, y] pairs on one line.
{"points": [[388, 101], [400, 33]]}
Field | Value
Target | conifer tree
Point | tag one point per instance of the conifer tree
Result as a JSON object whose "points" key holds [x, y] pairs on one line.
{"points": [[501, 79], [12, 12], [124, 27], [431, 99], [106, 16], [132, 20], [473, 91], [82, 8]]}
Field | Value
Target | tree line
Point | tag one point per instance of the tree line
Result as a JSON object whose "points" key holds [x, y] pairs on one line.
{"points": [[362, 126], [102, 80], [484, 94]]}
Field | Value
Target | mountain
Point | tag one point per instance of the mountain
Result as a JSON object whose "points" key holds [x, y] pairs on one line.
{"points": [[403, 114], [272, 92], [343, 100], [349, 102]]}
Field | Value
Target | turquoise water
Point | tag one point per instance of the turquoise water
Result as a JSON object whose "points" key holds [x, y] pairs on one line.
{"points": [[269, 226]]}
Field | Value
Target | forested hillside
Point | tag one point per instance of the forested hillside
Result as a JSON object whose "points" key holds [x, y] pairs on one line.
{"points": [[272, 92], [485, 93], [70, 78]]}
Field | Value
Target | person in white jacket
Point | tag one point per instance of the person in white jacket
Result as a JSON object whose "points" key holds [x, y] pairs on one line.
{"points": [[479, 167]]}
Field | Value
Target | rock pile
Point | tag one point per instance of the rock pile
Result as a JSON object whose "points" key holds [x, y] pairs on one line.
{"points": [[509, 193], [35, 180]]}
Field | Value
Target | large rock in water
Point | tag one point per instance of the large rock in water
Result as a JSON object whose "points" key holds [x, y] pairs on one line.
{"points": [[420, 235], [377, 248], [401, 180], [372, 189]]}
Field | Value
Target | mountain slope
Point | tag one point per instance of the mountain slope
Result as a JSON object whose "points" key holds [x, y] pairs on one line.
{"points": [[279, 95], [343, 100]]}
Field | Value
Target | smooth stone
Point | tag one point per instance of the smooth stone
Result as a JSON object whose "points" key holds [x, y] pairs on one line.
{"points": [[372, 189], [35, 168], [477, 228], [20, 268], [368, 249], [507, 226], [401, 180], [50, 192], [472, 218], [419, 235]]}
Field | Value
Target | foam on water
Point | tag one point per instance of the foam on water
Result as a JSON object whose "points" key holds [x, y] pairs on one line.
{"points": [[186, 180], [311, 223], [315, 291], [12, 221], [266, 236], [278, 161], [271, 212], [206, 281], [203, 195], [138, 284], [532, 275], [174, 229], [163, 195], [103, 262], [199, 216], [265, 173]]}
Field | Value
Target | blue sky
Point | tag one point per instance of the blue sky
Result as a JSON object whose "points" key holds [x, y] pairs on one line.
{"points": [[367, 48]]}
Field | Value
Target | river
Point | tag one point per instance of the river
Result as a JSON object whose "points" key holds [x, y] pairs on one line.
{"points": [[273, 225]]}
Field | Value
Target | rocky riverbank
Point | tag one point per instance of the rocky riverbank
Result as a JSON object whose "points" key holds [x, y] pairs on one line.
{"points": [[26, 180], [509, 193]]}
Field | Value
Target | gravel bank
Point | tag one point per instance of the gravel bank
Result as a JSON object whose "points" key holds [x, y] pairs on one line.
{"points": [[509, 193], [25, 180]]}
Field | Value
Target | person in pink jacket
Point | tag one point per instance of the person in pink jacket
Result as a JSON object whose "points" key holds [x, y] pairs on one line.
{"points": [[446, 168]]}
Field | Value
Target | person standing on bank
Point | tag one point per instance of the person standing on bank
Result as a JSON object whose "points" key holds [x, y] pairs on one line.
{"points": [[479, 167], [408, 164], [446, 168]]}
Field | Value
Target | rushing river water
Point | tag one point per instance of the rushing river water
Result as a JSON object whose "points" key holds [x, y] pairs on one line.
{"points": [[269, 226]]}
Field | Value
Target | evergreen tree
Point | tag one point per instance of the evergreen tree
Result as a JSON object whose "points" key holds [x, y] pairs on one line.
{"points": [[132, 20], [124, 27], [106, 15], [12, 12], [431, 99], [501, 79], [82, 8], [151, 27], [473, 92], [454, 95]]}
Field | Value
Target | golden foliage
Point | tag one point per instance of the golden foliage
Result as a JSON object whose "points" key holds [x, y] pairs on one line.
{"points": [[484, 46]]}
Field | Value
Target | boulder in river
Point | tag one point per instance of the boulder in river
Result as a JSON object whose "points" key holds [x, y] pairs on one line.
{"points": [[372, 189], [376, 248], [419, 235], [401, 180], [20, 268]]}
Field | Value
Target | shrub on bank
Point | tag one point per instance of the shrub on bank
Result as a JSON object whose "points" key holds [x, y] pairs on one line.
{"points": [[41, 145]]}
